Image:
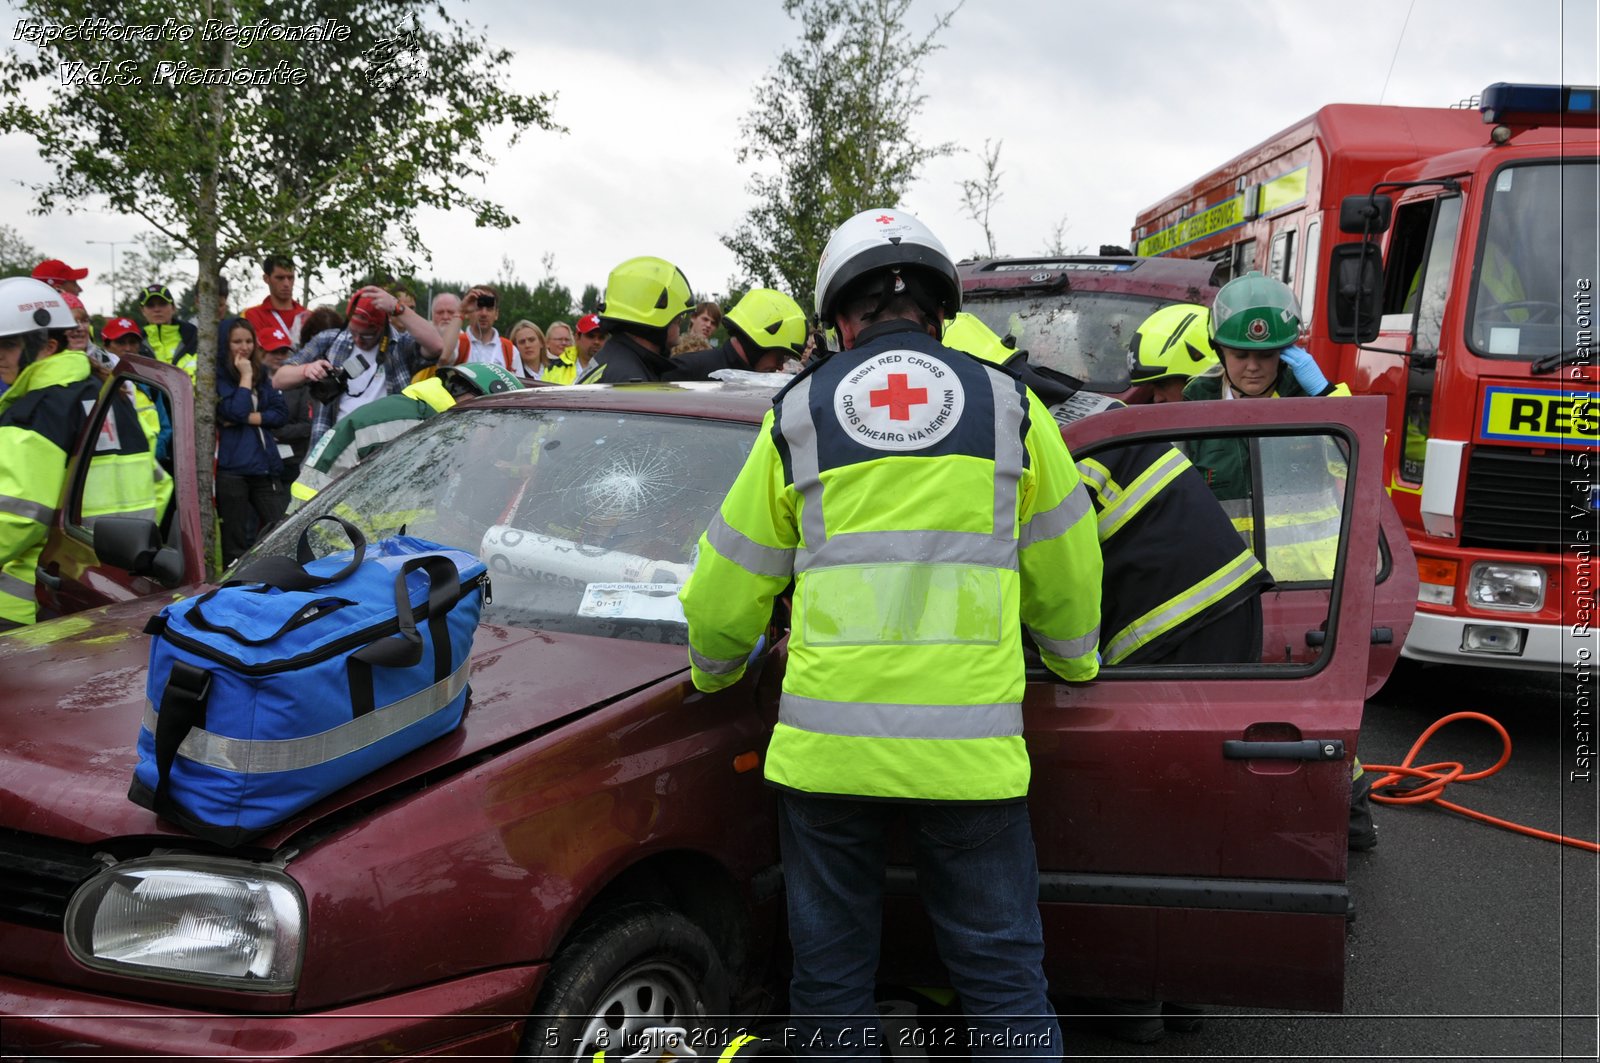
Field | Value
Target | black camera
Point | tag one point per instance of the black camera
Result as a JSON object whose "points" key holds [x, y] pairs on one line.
{"points": [[485, 302], [335, 385]]}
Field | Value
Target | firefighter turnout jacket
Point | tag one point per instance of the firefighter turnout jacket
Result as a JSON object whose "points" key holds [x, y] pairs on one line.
{"points": [[927, 509]]}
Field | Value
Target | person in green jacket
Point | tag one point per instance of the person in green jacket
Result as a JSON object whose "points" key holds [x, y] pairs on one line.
{"points": [[41, 417], [359, 434]]}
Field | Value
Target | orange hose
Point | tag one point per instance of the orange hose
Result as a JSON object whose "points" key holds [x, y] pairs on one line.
{"points": [[1438, 776]]}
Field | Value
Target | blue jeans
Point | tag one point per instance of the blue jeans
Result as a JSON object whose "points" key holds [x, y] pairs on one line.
{"points": [[979, 881]]}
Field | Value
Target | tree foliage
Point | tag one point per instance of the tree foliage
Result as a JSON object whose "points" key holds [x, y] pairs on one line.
{"points": [[233, 143], [17, 256], [832, 132]]}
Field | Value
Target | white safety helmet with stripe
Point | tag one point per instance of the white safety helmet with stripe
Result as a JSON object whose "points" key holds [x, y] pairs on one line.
{"points": [[892, 242]]}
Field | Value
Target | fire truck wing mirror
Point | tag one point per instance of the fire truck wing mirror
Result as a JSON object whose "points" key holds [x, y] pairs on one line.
{"points": [[1355, 292], [1365, 214]]}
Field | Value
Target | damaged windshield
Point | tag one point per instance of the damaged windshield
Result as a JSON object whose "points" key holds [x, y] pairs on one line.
{"points": [[1082, 334], [587, 520]]}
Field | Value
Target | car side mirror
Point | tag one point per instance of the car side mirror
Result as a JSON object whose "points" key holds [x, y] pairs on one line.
{"points": [[1364, 215], [1355, 292], [134, 544]]}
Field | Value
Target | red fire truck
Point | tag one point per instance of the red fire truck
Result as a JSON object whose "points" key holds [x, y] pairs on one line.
{"points": [[1446, 259]]}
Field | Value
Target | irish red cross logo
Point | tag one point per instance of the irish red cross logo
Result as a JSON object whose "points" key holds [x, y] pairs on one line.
{"points": [[884, 219], [899, 397]]}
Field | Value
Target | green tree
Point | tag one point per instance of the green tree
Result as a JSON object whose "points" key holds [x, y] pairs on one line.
{"points": [[17, 256], [589, 301], [231, 142], [833, 130]]}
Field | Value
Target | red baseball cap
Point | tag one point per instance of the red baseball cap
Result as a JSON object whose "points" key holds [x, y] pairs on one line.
{"points": [[588, 323], [362, 312], [273, 339], [119, 327], [53, 269]]}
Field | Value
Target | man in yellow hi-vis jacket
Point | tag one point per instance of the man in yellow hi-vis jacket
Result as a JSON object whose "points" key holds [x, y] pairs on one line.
{"points": [[927, 510]]}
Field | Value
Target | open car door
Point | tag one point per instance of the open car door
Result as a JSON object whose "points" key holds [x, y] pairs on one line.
{"points": [[135, 461], [1191, 819]]}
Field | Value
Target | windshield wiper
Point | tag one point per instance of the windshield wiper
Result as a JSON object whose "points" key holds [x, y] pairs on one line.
{"points": [[1551, 362]]}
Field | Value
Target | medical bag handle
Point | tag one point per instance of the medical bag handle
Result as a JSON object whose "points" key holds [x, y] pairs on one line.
{"points": [[405, 649], [286, 575]]}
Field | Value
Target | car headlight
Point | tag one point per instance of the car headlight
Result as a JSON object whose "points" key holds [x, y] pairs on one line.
{"points": [[1496, 586], [207, 920]]}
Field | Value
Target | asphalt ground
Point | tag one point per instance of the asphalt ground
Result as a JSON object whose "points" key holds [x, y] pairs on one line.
{"points": [[1469, 942]]}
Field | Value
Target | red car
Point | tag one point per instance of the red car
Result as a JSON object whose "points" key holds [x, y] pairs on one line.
{"points": [[593, 852]]}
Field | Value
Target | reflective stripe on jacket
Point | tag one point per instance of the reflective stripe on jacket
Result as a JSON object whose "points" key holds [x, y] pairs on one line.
{"points": [[41, 417], [1172, 558], [921, 541]]}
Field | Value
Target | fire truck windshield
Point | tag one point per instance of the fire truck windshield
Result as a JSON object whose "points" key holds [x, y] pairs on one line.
{"points": [[1537, 260]]}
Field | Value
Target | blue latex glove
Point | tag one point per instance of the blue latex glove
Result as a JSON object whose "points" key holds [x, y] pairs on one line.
{"points": [[755, 654], [1305, 370]]}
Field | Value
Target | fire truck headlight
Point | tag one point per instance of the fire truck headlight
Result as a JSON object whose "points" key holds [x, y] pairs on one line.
{"points": [[1517, 588]]}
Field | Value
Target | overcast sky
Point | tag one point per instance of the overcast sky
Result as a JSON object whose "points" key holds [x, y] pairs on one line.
{"points": [[1102, 109]]}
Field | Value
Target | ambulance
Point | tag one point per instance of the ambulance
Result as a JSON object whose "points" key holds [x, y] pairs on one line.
{"points": [[1445, 258]]}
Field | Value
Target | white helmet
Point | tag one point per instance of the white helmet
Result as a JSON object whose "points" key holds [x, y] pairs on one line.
{"points": [[877, 240], [27, 305]]}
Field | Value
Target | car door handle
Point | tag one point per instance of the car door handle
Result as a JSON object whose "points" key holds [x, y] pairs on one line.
{"points": [[1381, 636], [53, 582], [1305, 749]]}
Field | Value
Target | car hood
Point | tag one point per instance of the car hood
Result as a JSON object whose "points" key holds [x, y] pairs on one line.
{"points": [[74, 694]]}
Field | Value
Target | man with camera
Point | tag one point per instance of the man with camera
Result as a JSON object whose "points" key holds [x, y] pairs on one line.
{"points": [[365, 361], [479, 340]]}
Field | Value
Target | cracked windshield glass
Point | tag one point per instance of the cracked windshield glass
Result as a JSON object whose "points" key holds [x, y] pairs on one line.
{"points": [[588, 521]]}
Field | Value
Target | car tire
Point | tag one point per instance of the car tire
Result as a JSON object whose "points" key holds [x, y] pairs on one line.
{"points": [[638, 966]]}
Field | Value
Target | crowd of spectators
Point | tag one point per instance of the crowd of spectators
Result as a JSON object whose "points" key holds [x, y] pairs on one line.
{"points": [[286, 373]]}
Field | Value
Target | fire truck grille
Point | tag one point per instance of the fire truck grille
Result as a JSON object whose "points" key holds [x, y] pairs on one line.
{"points": [[1517, 500], [38, 877]]}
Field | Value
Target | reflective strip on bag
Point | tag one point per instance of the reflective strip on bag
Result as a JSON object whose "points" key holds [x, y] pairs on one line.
{"points": [[869, 720], [262, 756], [902, 604]]}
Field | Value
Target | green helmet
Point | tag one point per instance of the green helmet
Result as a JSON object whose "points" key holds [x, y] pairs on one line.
{"points": [[483, 378], [1255, 313], [649, 292], [770, 320], [967, 332], [1173, 342]]}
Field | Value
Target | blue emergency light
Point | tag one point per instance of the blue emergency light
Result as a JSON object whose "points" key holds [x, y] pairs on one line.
{"points": [[1505, 101]]}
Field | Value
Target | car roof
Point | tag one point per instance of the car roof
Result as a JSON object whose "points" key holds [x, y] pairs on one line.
{"points": [[711, 399], [1168, 279]]}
